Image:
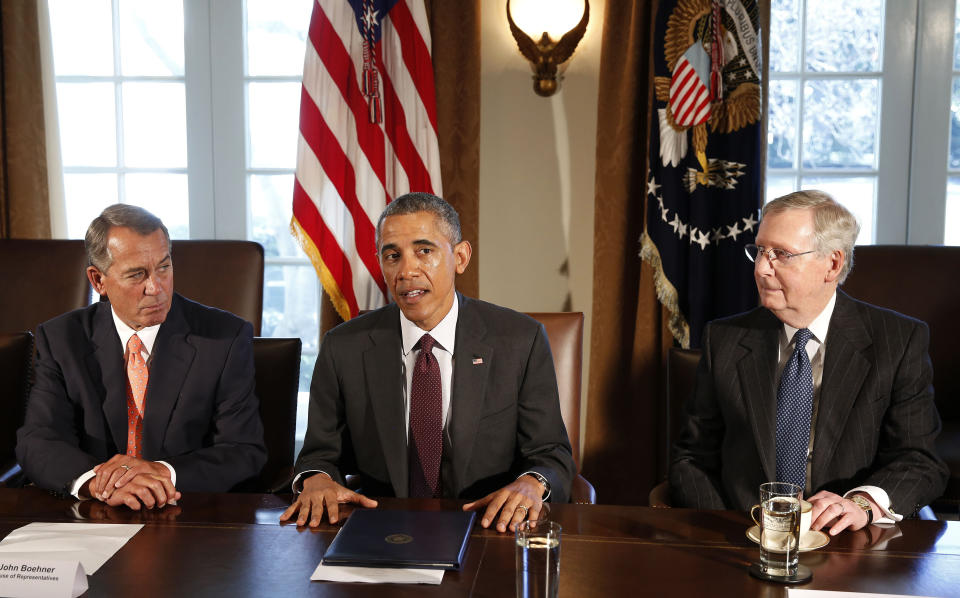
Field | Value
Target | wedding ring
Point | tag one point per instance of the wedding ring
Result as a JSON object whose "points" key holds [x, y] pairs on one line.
{"points": [[521, 507], [127, 467]]}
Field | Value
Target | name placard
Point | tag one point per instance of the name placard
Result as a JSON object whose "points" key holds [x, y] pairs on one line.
{"points": [[40, 578]]}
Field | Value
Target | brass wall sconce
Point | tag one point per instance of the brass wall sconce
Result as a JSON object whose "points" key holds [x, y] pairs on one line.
{"points": [[546, 55]]}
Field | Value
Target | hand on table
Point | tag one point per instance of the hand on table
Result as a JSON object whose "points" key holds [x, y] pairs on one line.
{"points": [[515, 502], [320, 491], [839, 513]]}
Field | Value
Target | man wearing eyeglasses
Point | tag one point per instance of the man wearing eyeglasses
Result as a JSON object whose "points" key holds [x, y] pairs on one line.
{"points": [[813, 387]]}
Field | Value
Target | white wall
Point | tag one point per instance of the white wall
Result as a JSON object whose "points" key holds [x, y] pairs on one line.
{"points": [[537, 163]]}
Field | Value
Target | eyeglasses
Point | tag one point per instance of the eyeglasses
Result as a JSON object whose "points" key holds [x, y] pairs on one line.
{"points": [[773, 254]]}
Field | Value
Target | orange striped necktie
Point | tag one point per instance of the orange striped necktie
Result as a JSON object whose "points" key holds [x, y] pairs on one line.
{"points": [[137, 377]]}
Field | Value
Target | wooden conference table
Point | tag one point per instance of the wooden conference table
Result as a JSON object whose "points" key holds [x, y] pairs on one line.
{"points": [[232, 545]]}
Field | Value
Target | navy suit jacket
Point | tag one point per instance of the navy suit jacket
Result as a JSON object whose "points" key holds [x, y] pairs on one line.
{"points": [[200, 411], [504, 408], [876, 421]]}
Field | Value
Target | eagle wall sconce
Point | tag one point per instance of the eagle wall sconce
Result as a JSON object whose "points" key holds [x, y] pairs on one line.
{"points": [[546, 55]]}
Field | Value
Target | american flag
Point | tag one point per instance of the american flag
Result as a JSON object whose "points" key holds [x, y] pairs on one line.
{"points": [[689, 92], [368, 133]]}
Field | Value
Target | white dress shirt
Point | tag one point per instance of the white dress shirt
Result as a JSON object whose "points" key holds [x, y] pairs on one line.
{"points": [[147, 337], [815, 351]]}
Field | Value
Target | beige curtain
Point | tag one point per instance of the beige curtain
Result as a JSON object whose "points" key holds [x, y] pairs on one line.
{"points": [[24, 208]]}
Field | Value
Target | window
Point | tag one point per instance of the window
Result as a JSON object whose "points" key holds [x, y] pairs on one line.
{"points": [[858, 107], [190, 109]]}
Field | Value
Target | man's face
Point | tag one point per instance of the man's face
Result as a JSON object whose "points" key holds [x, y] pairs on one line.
{"points": [[139, 282], [419, 266], [796, 289]]}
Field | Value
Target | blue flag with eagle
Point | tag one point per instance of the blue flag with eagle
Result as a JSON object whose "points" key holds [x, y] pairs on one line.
{"points": [[704, 180]]}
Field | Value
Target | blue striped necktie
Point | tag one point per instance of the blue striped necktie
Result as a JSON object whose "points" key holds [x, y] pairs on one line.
{"points": [[794, 410]]}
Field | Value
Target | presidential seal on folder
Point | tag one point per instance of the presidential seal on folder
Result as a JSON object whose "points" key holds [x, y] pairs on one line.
{"points": [[408, 539]]}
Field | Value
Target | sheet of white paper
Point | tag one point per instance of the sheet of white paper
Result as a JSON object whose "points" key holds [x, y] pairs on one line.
{"points": [[798, 593], [90, 543], [376, 575]]}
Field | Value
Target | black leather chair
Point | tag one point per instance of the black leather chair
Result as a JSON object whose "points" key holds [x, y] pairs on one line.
{"points": [[277, 363], [223, 274], [50, 278], [16, 374], [917, 280], [681, 375]]}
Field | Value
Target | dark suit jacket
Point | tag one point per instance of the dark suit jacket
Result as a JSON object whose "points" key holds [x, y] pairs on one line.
{"points": [[504, 412], [201, 414], [876, 422]]}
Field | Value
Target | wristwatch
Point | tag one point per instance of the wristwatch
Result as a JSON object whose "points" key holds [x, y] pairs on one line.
{"points": [[543, 480], [865, 505]]}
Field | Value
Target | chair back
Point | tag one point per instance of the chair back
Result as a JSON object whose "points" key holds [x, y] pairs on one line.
{"points": [[50, 278], [565, 333], [916, 280], [16, 372], [223, 274], [681, 376], [277, 373]]}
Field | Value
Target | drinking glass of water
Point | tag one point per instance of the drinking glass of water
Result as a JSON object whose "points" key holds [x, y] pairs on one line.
{"points": [[538, 559]]}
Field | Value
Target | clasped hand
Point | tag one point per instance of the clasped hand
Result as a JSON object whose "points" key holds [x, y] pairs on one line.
{"points": [[125, 480]]}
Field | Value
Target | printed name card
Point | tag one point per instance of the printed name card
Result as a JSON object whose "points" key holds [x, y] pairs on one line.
{"points": [[41, 578]]}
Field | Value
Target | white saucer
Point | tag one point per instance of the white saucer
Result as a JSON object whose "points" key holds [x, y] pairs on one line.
{"points": [[811, 540]]}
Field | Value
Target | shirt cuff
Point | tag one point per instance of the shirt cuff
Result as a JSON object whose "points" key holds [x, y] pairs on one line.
{"points": [[79, 482], [173, 473], [879, 496], [540, 478], [297, 487]]}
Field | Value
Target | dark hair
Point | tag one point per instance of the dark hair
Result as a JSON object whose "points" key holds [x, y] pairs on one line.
{"points": [[411, 203], [119, 214]]}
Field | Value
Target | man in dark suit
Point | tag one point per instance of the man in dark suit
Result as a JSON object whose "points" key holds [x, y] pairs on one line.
{"points": [[144, 392], [472, 414], [848, 415]]}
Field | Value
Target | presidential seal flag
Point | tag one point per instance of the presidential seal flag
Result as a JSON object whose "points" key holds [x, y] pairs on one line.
{"points": [[703, 180], [368, 133]]}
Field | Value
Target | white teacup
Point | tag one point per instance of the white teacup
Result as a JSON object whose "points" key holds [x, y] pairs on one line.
{"points": [[805, 513]]}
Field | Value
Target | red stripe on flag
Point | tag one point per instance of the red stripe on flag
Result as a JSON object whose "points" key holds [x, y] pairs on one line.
{"points": [[338, 63], [333, 257], [339, 171], [417, 58], [395, 125]]}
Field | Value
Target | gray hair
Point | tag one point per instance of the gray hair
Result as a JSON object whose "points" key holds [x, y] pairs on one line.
{"points": [[834, 227], [411, 203], [119, 214]]}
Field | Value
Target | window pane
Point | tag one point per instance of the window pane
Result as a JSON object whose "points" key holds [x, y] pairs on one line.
{"points": [[151, 37], [154, 125], [785, 29], [951, 229], [954, 158], [782, 125], [840, 123], [956, 37], [277, 36], [844, 36], [85, 196], [164, 195], [290, 304], [778, 186], [88, 135], [273, 116], [857, 194], [82, 33], [271, 208]]}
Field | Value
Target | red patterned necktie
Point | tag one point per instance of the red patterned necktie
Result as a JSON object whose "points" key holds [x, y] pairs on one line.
{"points": [[137, 377], [426, 424]]}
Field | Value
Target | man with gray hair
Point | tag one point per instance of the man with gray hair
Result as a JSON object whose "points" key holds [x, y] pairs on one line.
{"points": [[144, 393], [813, 387]]}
